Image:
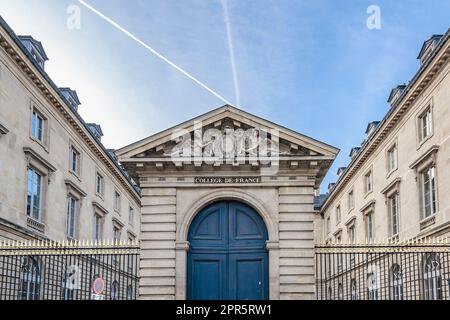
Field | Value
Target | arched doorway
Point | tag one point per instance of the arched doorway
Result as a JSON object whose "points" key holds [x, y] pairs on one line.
{"points": [[228, 257]]}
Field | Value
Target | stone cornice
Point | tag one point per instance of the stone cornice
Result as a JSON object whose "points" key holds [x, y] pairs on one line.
{"points": [[49, 90], [99, 207], [426, 74], [72, 187], [391, 185], [430, 152], [29, 152]]}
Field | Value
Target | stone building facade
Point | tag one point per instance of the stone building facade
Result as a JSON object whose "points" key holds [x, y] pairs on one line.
{"points": [[397, 184], [227, 208], [57, 180]]}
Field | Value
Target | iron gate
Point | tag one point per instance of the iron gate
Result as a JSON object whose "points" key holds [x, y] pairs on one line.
{"points": [[415, 270], [68, 270]]}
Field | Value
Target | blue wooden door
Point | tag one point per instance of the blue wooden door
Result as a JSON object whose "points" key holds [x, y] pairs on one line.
{"points": [[228, 259]]}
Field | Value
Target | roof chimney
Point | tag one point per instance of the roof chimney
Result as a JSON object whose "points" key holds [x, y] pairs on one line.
{"points": [[71, 97], [35, 49]]}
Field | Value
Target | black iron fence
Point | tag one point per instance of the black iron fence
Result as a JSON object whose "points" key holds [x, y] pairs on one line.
{"points": [[391, 271], [68, 271]]}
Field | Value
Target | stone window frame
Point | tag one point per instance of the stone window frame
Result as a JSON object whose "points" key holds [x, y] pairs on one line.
{"points": [[99, 210], [368, 172], [38, 163], [351, 204], [338, 235], [75, 192], [369, 210], [131, 236], [117, 224], [428, 106], [338, 214], [117, 205], [427, 159], [74, 146], [391, 146], [393, 188], [101, 195], [351, 223], [131, 215], [328, 225], [37, 108]]}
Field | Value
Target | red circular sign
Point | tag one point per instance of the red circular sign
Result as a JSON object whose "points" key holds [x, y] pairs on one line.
{"points": [[98, 286]]}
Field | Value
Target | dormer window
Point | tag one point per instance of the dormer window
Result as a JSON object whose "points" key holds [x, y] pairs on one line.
{"points": [[428, 47], [96, 130], [341, 170], [38, 59], [71, 97], [371, 127], [35, 49], [396, 93], [354, 152]]}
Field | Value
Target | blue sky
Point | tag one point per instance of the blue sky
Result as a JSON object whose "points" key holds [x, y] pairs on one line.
{"points": [[312, 66]]}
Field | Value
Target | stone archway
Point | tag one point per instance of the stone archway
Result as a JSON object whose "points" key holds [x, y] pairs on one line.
{"points": [[229, 194]]}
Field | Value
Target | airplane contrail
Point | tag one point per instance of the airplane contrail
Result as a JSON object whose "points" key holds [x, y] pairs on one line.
{"points": [[153, 51], [231, 52]]}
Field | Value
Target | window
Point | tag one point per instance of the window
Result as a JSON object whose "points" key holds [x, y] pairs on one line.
{"points": [[71, 216], [30, 279], [368, 182], [369, 227], [34, 194], [117, 201], [330, 293], [432, 277], [392, 158], [351, 233], [397, 282], [98, 227], [71, 283], [74, 160], [428, 180], [338, 214], [350, 200], [115, 291], [425, 124], [131, 216], [353, 290], [116, 234], [99, 184], [394, 213], [37, 126], [340, 292], [372, 288], [130, 292], [328, 226]]}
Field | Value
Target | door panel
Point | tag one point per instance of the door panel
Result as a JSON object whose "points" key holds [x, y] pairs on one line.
{"points": [[248, 273], [210, 228], [247, 229], [207, 276]]}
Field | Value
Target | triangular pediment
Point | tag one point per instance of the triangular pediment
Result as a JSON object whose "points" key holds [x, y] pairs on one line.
{"points": [[228, 121]]}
